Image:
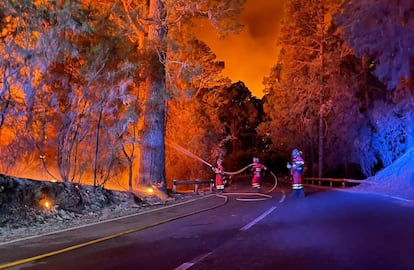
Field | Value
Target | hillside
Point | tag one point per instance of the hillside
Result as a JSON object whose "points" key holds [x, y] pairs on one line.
{"points": [[395, 180], [30, 207]]}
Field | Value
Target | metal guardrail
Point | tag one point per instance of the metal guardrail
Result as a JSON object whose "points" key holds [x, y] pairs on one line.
{"points": [[196, 184], [342, 182], [327, 182]]}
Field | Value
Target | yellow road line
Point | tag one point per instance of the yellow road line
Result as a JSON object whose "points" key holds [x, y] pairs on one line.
{"points": [[42, 256]]}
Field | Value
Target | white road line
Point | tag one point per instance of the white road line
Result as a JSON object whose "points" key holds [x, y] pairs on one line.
{"points": [[187, 265], [262, 216], [184, 266], [282, 199]]}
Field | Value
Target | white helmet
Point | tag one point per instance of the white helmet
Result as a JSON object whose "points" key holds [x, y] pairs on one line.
{"points": [[296, 153]]}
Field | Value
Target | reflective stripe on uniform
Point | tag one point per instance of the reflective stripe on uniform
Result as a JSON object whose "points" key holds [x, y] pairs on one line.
{"points": [[297, 186]]}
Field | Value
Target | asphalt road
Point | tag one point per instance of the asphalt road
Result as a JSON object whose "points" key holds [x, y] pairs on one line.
{"points": [[325, 230]]}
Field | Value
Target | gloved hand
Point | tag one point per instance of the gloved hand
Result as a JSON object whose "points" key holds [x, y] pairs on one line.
{"points": [[288, 166]]}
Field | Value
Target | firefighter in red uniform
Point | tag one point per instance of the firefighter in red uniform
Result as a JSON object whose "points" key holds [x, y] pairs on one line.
{"points": [[219, 171], [257, 173], [296, 170]]}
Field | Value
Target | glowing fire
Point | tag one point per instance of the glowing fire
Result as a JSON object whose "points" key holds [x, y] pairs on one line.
{"points": [[150, 190], [45, 203]]}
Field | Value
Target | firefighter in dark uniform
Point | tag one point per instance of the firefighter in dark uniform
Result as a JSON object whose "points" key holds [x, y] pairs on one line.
{"points": [[296, 170]]}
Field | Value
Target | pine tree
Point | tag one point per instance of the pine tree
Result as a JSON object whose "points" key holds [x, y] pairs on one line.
{"points": [[151, 24], [381, 34], [192, 118], [382, 31], [302, 74]]}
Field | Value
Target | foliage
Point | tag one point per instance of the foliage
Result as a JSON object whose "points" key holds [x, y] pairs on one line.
{"points": [[381, 30], [380, 33], [301, 84], [154, 25], [391, 133], [87, 82], [74, 91], [192, 120], [318, 77], [240, 113]]}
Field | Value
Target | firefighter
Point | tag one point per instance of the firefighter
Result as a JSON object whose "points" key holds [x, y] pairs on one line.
{"points": [[257, 173], [219, 171], [297, 170]]}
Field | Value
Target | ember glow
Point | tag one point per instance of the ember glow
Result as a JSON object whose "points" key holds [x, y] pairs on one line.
{"points": [[46, 204]]}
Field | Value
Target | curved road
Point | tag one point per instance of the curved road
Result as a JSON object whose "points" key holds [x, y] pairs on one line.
{"points": [[325, 230]]}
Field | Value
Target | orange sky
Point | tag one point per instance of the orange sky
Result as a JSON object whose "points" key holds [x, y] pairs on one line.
{"points": [[250, 55]]}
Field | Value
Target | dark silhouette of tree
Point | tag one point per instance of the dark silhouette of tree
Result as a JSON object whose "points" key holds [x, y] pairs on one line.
{"points": [[240, 113]]}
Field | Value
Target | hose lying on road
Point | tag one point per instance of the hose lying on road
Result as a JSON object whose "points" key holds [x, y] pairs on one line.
{"points": [[264, 196]]}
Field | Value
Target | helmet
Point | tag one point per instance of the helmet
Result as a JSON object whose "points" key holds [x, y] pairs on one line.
{"points": [[296, 153], [219, 161], [255, 159]]}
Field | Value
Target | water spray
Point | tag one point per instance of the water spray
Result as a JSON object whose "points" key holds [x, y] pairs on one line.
{"points": [[188, 153]]}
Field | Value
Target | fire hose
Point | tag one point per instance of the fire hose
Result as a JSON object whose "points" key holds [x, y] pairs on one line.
{"points": [[264, 196]]}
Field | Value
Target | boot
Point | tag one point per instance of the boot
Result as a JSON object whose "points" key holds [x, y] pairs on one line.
{"points": [[294, 193]]}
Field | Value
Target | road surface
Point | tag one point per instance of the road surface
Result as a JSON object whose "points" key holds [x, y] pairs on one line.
{"points": [[327, 229]]}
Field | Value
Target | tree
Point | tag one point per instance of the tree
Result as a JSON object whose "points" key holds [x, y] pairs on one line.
{"points": [[72, 84], [240, 112], [97, 116], [302, 71], [380, 34], [151, 24], [381, 30], [32, 42], [192, 118]]}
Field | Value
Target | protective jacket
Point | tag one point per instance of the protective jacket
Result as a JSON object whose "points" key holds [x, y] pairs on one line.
{"points": [[296, 171], [257, 173], [219, 171]]}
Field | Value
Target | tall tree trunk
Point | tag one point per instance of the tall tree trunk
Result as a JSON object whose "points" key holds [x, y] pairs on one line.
{"points": [[321, 132], [152, 158], [95, 158], [321, 125]]}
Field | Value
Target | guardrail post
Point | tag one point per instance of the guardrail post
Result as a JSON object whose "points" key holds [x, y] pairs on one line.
{"points": [[196, 187], [174, 186]]}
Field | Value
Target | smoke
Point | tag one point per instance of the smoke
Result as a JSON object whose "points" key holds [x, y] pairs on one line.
{"points": [[250, 55]]}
